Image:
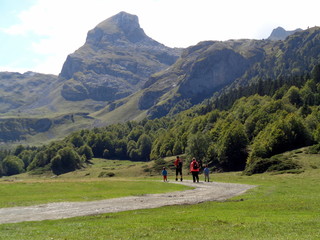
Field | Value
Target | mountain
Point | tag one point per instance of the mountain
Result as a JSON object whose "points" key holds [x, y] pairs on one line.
{"points": [[280, 33], [212, 66], [121, 74], [116, 61]]}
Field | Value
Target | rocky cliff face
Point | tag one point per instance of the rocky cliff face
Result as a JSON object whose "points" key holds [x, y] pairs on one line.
{"points": [[116, 60], [202, 70], [217, 67]]}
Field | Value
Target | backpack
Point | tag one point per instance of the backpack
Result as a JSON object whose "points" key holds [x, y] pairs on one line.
{"points": [[195, 165], [180, 164]]}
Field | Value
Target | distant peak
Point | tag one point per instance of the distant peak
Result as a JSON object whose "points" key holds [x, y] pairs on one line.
{"points": [[124, 15], [280, 33], [120, 26], [123, 19], [279, 29]]}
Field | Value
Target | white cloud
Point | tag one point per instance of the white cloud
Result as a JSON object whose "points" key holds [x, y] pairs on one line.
{"points": [[9, 68], [59, 27]]}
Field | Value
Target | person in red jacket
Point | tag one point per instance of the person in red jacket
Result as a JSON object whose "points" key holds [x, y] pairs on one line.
{"points": [[194, 169], [178, 165]]}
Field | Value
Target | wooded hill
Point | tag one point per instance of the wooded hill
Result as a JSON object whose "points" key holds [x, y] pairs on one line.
{"points": [[266, 119]]}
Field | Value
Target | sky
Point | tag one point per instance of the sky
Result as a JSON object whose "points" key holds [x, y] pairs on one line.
{"points": [[38, 35]]}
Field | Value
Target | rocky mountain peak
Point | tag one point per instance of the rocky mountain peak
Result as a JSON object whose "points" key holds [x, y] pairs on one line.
{"points": [[125, 21], [280, 33], [116, 60], [120, 28]]}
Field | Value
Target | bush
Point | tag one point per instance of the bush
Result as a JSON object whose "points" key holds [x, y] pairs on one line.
{"points": [[86, 151], [40, 160], [106, 174], [315, 149], [66, 160], [12, 165], [275, 163], [40, 170]]}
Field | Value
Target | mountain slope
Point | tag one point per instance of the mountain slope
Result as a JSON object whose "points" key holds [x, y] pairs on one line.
{"points": [[20, 91], [116, 60], [211, 66]]}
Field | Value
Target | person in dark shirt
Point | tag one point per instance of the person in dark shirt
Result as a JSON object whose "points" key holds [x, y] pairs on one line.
{"points": [[178, 165]]}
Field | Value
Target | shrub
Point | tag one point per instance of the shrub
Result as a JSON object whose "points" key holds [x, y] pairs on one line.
{"points": [[86, 151], [315, 149], [66, 160], [106, 174], [275, 163], [12, 165], [40, 160]]}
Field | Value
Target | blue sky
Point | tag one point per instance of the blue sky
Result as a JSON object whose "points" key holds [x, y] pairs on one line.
{"points": [[37, 35], [12, 46]]}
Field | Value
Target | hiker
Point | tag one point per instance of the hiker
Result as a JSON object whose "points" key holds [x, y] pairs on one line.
{"points": [[164, 174], [206, 172], [178, 165], [194, 169]]}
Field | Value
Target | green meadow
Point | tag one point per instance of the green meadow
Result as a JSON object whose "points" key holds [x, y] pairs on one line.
{"points": [[282, 206], [40, 192]]}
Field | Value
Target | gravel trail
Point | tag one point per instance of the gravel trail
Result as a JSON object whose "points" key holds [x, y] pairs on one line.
{"points": [[202, 192]]}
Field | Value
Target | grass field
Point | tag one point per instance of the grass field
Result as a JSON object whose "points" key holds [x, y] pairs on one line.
{"points": [[38, 192], [283, 206]]}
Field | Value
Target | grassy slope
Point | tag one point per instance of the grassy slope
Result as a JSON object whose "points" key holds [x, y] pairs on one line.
{"points": [[128, 111], [59, 131], [284, 206], [61, 127], [55, 107]]}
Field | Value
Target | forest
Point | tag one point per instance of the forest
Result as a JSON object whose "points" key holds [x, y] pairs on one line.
{"points": [[241, 129]]}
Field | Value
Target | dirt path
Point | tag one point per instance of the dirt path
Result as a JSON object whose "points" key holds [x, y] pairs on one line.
{"points": [[212, 191]]}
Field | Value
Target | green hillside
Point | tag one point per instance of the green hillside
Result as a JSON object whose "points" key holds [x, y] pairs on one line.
{"points": [[246, 136]]}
